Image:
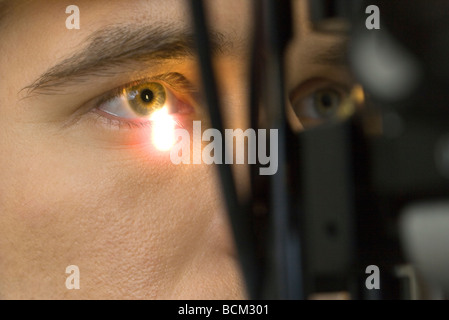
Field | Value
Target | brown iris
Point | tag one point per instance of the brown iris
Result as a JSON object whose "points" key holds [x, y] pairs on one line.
{"points": [[146, 98]]}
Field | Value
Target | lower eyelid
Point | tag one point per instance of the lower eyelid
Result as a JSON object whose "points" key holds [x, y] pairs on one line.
{"points": [[112, 122]]}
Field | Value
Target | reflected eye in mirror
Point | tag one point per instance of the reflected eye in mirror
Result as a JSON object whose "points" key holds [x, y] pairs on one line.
{"points": [[323, 103], [317, 102]]}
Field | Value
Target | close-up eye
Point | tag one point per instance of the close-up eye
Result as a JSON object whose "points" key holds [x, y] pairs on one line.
{"points": [[141, 101], [316, 104], [160, 104], [138, 102]]}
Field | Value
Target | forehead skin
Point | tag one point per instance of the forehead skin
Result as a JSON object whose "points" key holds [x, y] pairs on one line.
{"points": [[137, 226]]}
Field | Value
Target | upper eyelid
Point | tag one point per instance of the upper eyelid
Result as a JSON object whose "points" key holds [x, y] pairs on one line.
{"points": [[176, 80], [311, 85]]}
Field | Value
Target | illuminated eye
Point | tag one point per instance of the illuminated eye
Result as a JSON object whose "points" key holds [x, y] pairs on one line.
{"points": [[141, 101], [146, 98]]}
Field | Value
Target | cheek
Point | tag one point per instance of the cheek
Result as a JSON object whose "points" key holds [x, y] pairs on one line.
{"points": [[130, 226]]}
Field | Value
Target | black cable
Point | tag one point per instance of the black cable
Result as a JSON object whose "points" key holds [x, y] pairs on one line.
{"points": [[285, 247], [238, 214]]}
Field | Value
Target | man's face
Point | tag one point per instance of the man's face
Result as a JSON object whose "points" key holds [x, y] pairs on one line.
{"points": [[81, 181]]}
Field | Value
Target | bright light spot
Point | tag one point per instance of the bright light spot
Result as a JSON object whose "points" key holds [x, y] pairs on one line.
{"points": [[163, 129]]}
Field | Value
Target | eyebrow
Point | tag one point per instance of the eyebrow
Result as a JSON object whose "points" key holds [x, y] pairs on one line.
{"points": [[112, 47]]}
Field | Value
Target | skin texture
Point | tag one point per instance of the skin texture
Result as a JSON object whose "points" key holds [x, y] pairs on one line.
{"points": [[76, 190]]}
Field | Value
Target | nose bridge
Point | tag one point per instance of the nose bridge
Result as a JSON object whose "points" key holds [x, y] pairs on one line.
{"points": [[234, 88], [233, 84]]}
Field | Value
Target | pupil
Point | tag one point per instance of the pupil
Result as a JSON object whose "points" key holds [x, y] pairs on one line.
{"points": [[326, 100], [147, 95]]}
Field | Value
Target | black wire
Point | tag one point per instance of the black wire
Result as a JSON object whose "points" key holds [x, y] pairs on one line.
{"points": [[260, 187], [238, 214], [286, 263]]}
